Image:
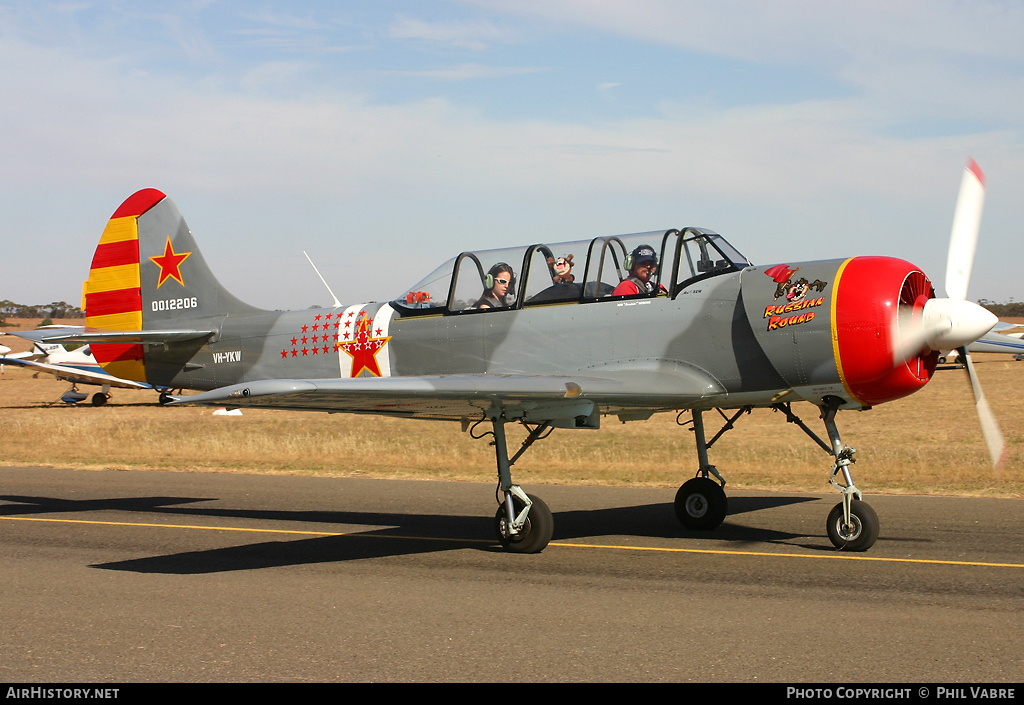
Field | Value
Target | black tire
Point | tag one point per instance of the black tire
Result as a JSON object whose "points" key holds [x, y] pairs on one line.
{"points": [[701, 504], [536, 534], [864, 531], [99, 399]]}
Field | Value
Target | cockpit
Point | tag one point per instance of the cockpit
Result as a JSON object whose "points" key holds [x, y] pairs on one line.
{"points": [[581, 271]]}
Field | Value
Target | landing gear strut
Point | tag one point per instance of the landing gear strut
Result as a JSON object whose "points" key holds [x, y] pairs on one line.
{"points": [[852, 524], [701, 502], [523, 522]]}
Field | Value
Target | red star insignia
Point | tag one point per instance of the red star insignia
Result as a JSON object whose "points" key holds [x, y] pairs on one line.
{"points": [[170, 264], [363, 349]]}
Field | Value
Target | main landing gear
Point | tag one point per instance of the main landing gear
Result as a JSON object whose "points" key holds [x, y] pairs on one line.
{"points": [[73, 396], [523, 522], [701, 502], [852, 524]]}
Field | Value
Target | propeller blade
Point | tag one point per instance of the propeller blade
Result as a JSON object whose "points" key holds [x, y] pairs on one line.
{"points": [[989, 426], [953, 322], [908, 335], [964, 237]]}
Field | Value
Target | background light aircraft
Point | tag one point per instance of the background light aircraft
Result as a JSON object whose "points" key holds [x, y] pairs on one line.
{"points": [[76, 366], [556, 349], [1001, 339]]}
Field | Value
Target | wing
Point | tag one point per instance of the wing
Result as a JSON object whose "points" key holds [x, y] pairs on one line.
{"points": [[997, 343], [76, 375], [564, 398], [20, 356]]}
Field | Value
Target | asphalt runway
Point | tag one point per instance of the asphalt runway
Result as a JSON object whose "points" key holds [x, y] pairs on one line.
{"points": [[132, 577]]}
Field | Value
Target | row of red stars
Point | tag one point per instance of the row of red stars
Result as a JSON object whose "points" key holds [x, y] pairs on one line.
{"points": [[325, 325]]}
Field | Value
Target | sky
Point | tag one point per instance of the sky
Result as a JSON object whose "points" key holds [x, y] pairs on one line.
{"points": [[384, 137]]}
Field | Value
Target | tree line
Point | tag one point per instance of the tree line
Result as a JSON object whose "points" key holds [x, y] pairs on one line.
{"points": [[57, 309], [1010, 309]]}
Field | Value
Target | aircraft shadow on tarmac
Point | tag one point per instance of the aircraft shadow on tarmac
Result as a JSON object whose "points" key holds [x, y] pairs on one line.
{"points": [[405, 534]]}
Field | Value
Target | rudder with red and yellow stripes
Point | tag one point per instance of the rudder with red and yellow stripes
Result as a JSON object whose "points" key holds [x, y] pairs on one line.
{"points": [[112, 295]]}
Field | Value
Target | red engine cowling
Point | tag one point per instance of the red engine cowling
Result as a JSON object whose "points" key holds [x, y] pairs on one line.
{"points": [[832, 328], [872, 295]]}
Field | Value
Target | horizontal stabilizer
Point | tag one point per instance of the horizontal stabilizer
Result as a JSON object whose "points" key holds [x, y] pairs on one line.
{"points": [[77, 375], [86, 336]]}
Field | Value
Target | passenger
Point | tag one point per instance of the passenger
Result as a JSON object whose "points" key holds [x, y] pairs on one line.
{"points": [[643, 264], [499, 283]]}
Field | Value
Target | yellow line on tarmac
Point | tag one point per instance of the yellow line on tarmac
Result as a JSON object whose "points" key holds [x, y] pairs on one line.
{"points": [[777, 554], [165, 526], [239, 529], [180, 526], [559, 544]]}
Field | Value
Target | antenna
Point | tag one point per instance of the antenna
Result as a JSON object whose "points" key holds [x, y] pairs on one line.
{"points": [[337, 304]]}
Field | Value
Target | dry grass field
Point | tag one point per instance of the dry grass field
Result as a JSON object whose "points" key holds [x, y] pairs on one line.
{"points": [[929, 443]]}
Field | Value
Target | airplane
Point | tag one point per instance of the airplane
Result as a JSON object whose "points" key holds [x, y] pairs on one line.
{"points": [[76, 366], [492, 337], [4, 352]]}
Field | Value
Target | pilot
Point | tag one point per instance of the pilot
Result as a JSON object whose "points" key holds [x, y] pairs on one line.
{"points": [[499, 283], [643, 264]]}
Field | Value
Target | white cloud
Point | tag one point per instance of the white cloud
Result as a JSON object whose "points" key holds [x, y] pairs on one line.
{"points": [[476, 35], [463, 72]]}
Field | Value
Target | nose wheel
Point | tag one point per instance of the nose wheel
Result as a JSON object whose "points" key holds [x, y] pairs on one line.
{"points": [[860, 533]]}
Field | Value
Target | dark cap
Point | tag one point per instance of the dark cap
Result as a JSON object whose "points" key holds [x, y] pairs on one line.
{"points": [[644, 253]]}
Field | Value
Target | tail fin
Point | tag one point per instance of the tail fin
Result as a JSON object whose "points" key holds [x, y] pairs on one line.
{"points": [[148, 274]]}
